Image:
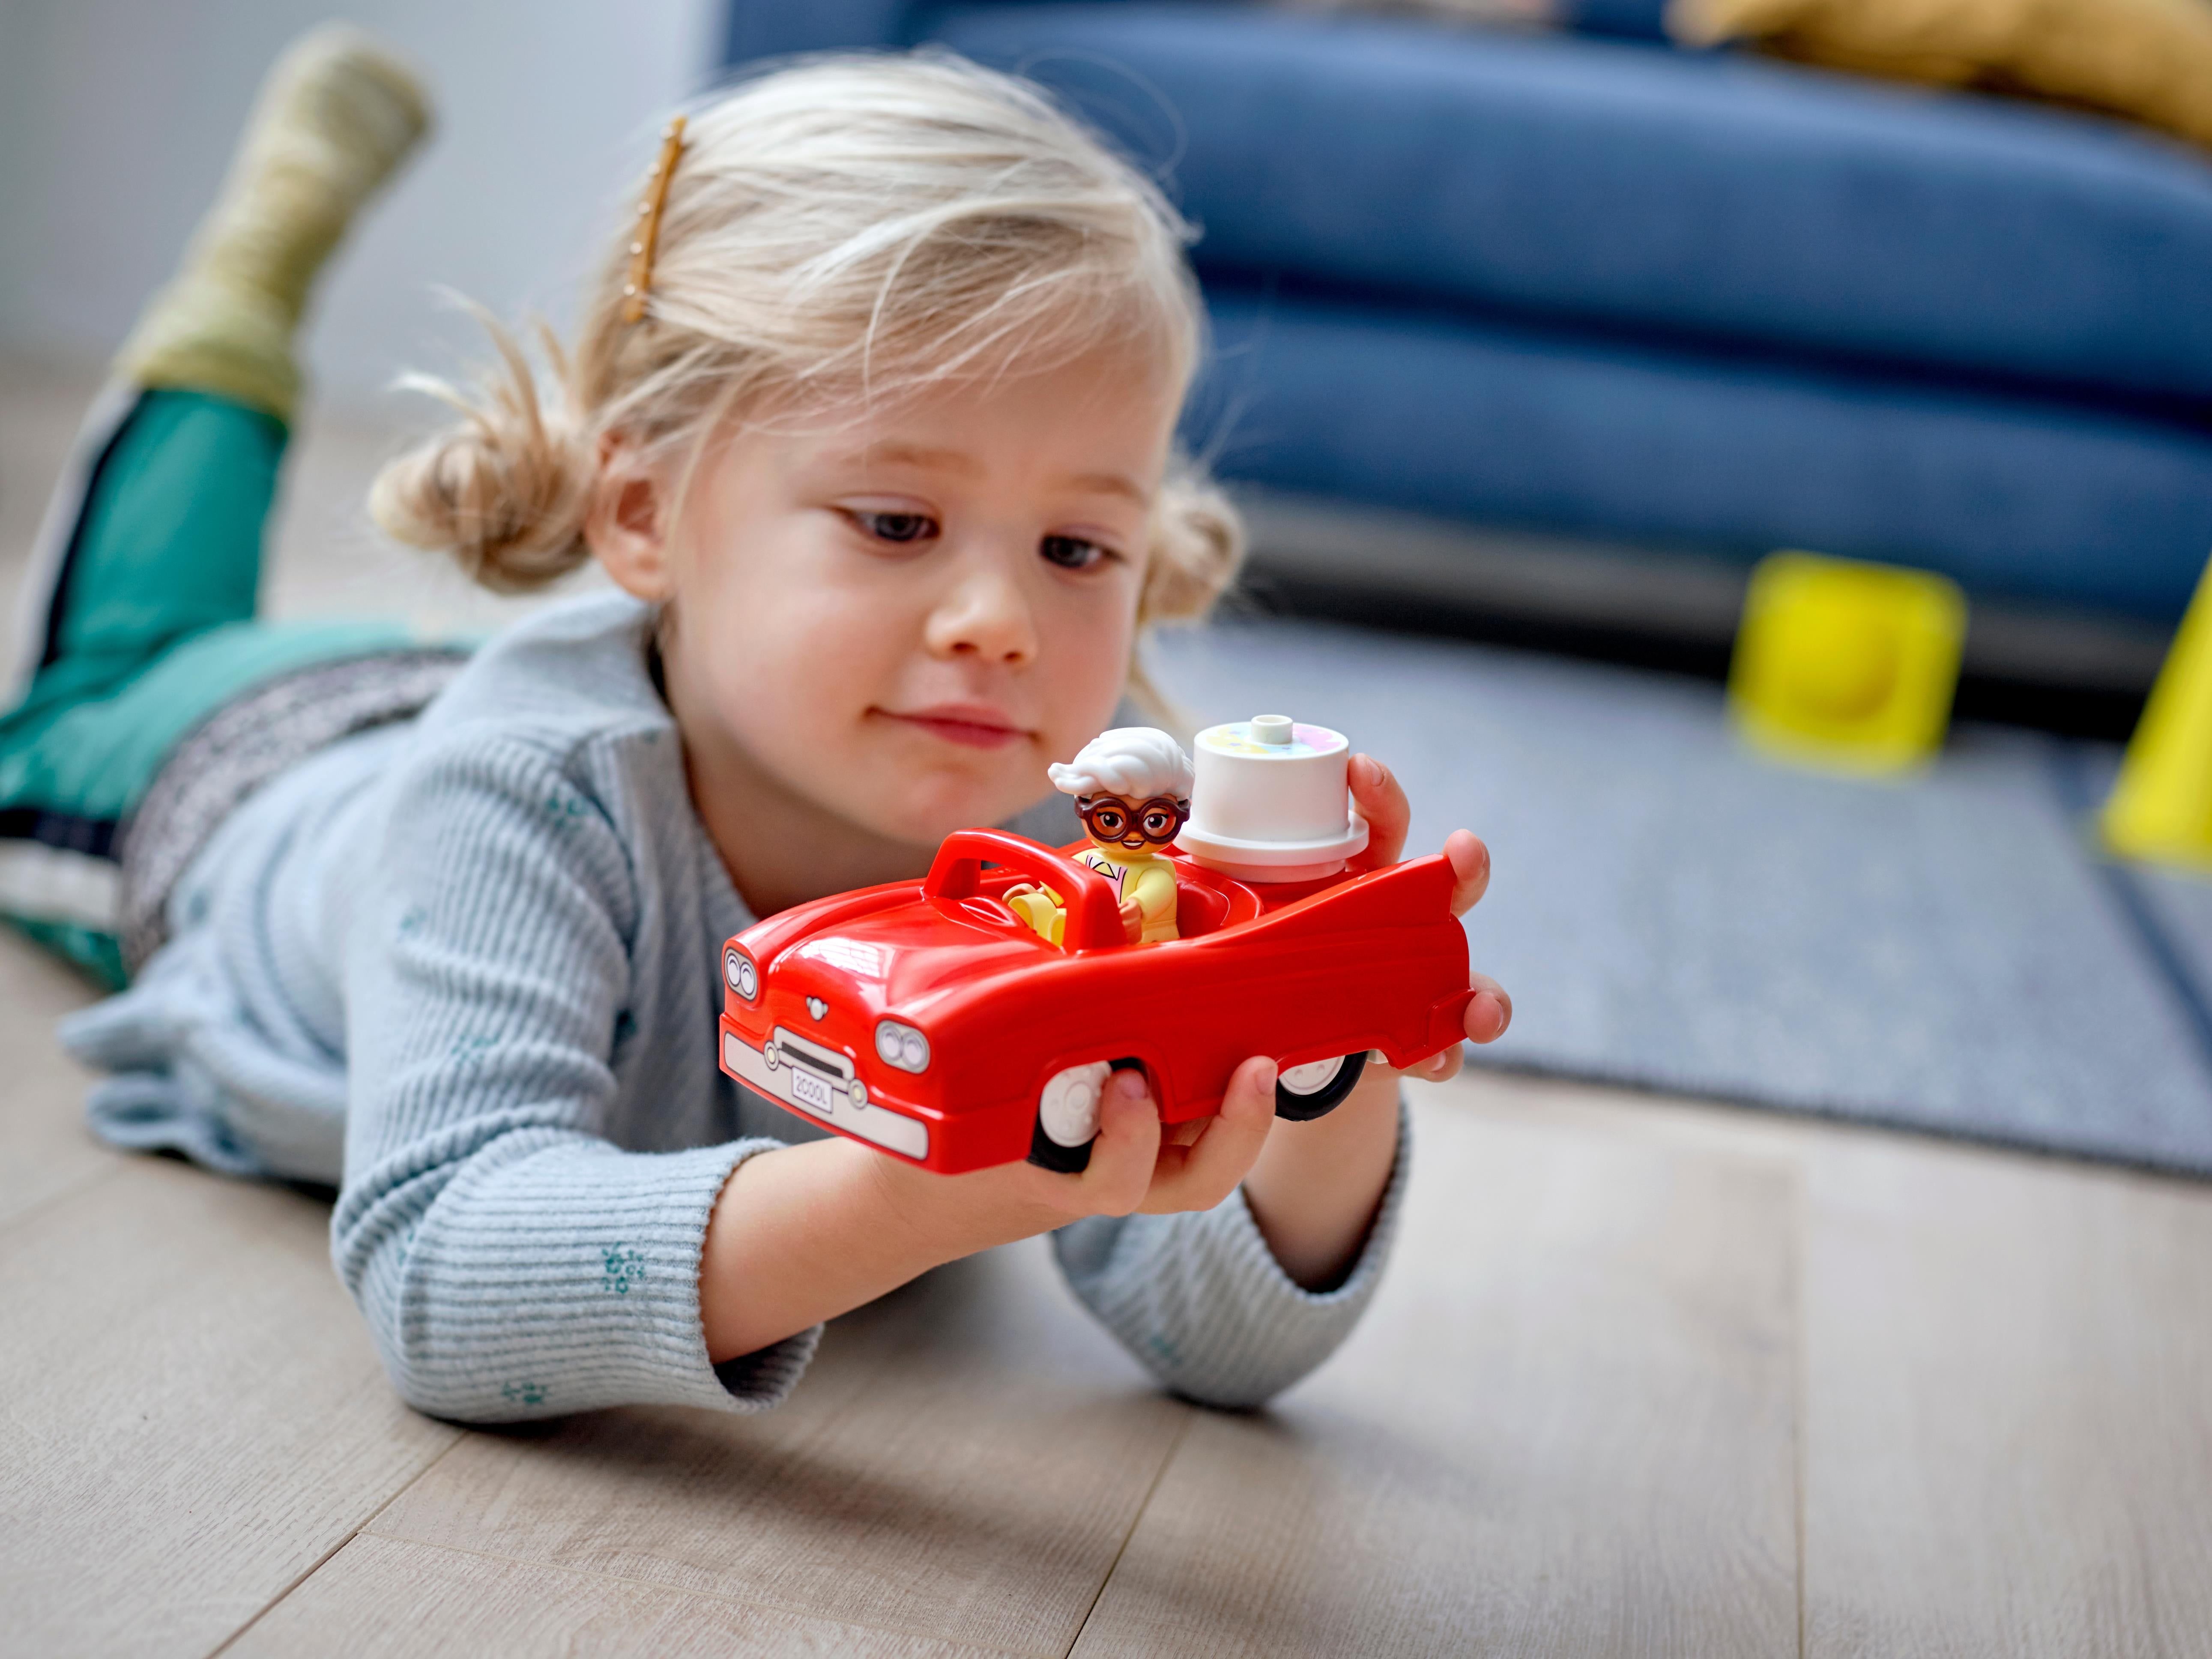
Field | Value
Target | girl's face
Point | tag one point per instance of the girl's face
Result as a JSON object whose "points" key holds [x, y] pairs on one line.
{"points": [[894, 622]]}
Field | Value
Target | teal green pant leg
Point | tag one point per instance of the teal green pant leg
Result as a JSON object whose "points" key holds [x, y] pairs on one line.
{"points": [[171, 544], [151, 629], [168, 544]]}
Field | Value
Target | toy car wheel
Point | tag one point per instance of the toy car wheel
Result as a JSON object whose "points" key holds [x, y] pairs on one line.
{"points": [[1305, 1092], [1068, 1115], [1067, 1109]]}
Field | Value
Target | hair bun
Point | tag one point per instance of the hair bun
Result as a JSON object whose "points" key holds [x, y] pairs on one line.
{"points": [[1198, 543], [505, 490]]}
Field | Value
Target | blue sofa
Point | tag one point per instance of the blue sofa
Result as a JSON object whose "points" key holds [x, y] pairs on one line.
{"points": [[1587, 285]]}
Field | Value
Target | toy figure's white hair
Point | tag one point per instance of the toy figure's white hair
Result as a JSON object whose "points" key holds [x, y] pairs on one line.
{"points": [[846, 228], [1135, 761]]}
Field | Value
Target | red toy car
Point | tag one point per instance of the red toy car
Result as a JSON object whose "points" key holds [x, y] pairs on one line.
{"points": [[929, 1020]]}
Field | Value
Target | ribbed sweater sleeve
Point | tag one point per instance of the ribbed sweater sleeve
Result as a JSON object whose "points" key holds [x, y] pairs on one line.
{"points": [[1200, 1301], [510, 1261]]}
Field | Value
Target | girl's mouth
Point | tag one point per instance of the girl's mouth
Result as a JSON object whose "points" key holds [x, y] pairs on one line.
{"points": [[973, 726]]}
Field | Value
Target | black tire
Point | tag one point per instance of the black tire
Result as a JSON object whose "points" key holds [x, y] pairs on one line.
{"points": [[1049, 1154], [1304, 1109]]}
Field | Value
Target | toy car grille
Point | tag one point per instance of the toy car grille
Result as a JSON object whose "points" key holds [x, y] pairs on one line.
{"points": [[801, 1052]]}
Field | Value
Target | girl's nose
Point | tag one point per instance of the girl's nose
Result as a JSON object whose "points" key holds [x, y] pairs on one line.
{"points": [[984, 615]]}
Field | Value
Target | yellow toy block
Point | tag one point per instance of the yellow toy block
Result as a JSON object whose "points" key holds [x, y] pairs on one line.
{"points": [[2161, 807], [1846, 665]]}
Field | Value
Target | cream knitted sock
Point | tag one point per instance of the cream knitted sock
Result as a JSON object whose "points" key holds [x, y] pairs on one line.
{"points": [[336, 116]]}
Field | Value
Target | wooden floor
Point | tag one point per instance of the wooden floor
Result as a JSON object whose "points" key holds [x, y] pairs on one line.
{"points": [[1645, 1377]]}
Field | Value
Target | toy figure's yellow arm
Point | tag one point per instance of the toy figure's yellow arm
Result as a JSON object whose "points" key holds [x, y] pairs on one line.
{"points": [[1154, 890]]}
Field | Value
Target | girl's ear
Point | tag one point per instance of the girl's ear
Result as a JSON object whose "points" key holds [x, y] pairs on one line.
{"points": [[627, 525]]}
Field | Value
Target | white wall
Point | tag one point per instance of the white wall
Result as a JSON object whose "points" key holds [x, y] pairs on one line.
{"points": [[116, 116]]}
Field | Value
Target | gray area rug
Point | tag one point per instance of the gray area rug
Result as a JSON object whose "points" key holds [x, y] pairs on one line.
{"points": [[1670, 911]]}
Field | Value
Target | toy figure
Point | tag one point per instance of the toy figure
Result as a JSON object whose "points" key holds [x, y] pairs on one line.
{"points": [[1132, 789]]}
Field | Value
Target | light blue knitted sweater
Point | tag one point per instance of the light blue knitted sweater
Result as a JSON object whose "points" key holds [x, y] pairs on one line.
{"points": [[467, 967]]}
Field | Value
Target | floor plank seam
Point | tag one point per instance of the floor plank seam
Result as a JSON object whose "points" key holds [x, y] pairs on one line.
{"points": [[757, 1603], [316, 1566], [62, 1195], [1182, 1432], [1800, 1251]]}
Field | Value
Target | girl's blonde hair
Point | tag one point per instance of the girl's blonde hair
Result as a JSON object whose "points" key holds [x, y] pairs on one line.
{"points": [[849, 227]]}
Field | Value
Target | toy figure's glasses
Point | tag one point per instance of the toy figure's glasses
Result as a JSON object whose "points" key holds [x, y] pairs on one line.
{"points": [[1158, 820]]}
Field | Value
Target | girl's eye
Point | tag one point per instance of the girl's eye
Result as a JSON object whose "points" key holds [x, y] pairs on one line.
{"points": [[1111, 822], [1156, 824], [1073, 552], [897, 528]]}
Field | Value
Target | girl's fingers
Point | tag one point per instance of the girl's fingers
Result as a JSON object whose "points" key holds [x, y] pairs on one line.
{"points": [[1128, 1149], [1490, 1011], [1200, 1176], [1470, 863], [1383, 805], [1437, 1069]]}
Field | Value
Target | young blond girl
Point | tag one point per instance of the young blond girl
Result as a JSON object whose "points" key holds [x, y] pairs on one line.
{"points": [[875, 441]]}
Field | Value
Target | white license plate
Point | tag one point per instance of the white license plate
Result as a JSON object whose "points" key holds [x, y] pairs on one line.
{"points": [[809, 1090]]}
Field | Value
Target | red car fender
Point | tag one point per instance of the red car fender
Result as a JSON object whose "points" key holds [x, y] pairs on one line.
{"points": [[1191, 1010], [767, 940]]}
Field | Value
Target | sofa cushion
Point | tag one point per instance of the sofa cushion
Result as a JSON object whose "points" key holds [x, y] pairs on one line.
{"points": [[1618, 184], [2029, 498]]}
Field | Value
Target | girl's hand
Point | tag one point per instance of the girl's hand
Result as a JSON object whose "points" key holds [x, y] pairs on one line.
{"points": [[806, 1232], [1135, 1165], [1140, 1165]]}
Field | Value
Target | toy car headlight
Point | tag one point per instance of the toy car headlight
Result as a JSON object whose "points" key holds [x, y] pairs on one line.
{"points": [[901, 1046], [737, 969]]}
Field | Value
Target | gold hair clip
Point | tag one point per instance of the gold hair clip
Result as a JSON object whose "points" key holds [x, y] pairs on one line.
{"points": [[648, 236]]}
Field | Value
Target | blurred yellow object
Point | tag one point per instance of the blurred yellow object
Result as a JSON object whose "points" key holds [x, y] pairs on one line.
{"points": [[2161, 807], [1845, 664], [2149, 60]]}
